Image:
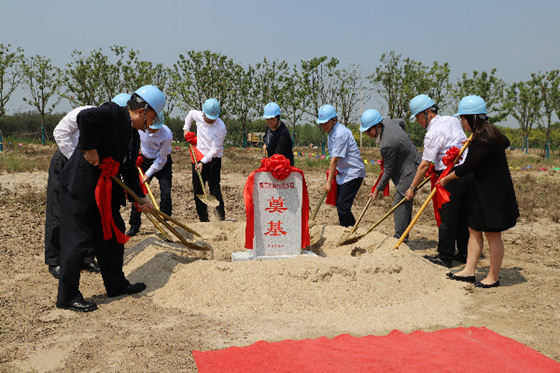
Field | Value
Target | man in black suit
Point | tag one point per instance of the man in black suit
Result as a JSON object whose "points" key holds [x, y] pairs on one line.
{"points": [[108, 136]]}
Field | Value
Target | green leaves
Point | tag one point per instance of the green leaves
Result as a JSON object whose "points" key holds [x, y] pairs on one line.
{"points": [[11, 73]]}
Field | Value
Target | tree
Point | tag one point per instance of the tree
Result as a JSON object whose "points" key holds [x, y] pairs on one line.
{"points": [[11, 73], [294, 99], [548, 85], [242, 102], [42, 82], [199, 76], [90, 80], [318, 74], [523, 103], [134, 73], [270, 81], [398, 80], [485, 85], [351, 92]]}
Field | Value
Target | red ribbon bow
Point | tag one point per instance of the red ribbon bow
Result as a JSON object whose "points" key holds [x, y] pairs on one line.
{"points": [[191, 137], [139, 160], [442, 195], [103, 194], [386, 190], [278, 165]]}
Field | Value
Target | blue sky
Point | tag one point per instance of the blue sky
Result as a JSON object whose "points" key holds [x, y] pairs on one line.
{"points": [[516, 37]]}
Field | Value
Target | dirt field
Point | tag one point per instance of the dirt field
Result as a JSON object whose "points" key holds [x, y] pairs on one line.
{"points": [[193, 303]]}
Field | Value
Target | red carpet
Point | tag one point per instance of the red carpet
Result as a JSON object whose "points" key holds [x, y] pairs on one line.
{"points": [[450, 350]]}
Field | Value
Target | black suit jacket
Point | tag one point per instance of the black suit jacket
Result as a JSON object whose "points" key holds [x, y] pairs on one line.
{"points": [[107, 128]]}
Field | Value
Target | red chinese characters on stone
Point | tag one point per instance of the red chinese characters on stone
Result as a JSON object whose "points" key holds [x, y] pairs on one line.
{"points": [[275, 229], [276, 205]]}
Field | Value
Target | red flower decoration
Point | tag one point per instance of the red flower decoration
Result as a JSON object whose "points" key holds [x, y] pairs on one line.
{"points": [[278, 165], [191, 137], [109, 167], [451, 155]]}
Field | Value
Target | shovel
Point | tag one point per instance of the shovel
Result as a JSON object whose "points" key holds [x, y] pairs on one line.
{"points": [[409, 228], [361, 215], [319, 205], [208, 200], [351, 240], [150, 217], [162, 217]]}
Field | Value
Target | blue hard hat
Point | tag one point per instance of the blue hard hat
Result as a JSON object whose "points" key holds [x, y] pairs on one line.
{"points": [[158, 121], [369, 119], [211, 108], [153, 96], [326, 113], [271, 110], [471, 105], [121, 99], [420, 103]]}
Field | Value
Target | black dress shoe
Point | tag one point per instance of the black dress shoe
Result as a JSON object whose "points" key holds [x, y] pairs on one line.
{"points": [[439, 260], [461, 258], [479, 284], [80, 306], [55, 271], [133, 231], [128, 290], [469, 279], [92, 267]]}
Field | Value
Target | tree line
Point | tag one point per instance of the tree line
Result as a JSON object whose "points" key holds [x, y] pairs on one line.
{"points": [[299, 89]]}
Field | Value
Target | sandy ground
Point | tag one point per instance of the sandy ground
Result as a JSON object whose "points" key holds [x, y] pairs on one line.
{"points": [[196, 303]]}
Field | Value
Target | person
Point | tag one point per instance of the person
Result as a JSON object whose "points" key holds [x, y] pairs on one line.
{"points": [[346, 163], [277, 139], [400, 160], [155, 145], [443, 133], [211, 134], [493, 207], [66, 135], [90, 202]]}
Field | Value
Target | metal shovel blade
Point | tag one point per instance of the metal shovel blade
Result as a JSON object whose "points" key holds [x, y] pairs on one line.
{"points": [[210, 200]]}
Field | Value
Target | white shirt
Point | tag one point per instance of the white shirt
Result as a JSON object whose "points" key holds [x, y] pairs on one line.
{"points": [[443, 133], [66, 132], [210, 137], [156, 146], [343, 145]]}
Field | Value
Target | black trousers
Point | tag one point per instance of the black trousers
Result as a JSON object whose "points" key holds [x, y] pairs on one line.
{"points": [[345, 195], [211, 173], [164, 177], [80, 228], [52, 215], [453, 229]]}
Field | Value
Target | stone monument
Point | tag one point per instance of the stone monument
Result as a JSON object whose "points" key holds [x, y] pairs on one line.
{"points": [[277, 209]]}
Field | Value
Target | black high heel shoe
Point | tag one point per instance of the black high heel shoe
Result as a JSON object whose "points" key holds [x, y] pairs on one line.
{"points": [[469, 279], [479, 284]]}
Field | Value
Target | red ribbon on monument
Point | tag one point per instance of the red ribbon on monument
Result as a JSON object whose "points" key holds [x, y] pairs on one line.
{"points": [[280, 168], [386, 190], [442, 195], [103, 192], [191, 138], [331, 197]]}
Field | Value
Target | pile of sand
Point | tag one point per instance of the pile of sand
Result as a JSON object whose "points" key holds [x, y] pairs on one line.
{"points": [[367, 281]]}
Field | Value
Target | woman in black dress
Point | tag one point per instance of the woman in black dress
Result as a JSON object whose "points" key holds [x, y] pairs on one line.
{"points": [[277, 138], [493, 206]]}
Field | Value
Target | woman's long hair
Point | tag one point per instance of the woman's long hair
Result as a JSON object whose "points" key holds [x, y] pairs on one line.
{"points": [[483, 130]]}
